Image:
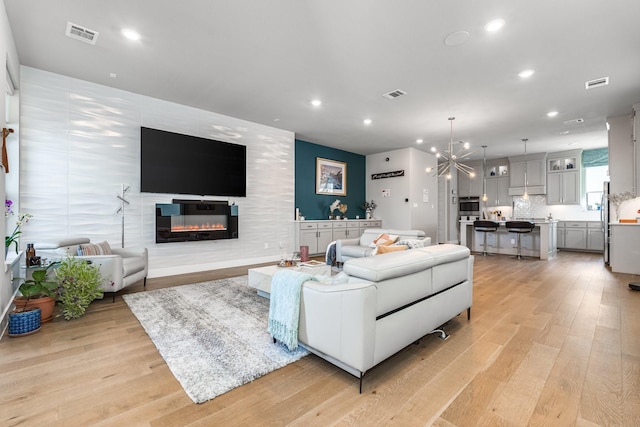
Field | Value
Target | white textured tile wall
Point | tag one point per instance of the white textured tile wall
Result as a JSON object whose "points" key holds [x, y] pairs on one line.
{"points": [[80, 142]]}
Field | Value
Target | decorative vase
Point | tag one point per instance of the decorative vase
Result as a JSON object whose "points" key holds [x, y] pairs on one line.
{"points": [[23, 323], [368, 214], [45, 304]]}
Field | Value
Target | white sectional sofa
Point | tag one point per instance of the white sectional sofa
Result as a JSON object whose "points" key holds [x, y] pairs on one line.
{"points": [[390, 301], [361, 247]]}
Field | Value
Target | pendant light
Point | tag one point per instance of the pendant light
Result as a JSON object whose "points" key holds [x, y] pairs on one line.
{"points": [[484, 173], [452, 161], [525, 195]]}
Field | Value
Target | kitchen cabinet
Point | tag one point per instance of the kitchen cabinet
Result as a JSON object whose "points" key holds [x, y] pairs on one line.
{"points": [[498, 192], [468, 186], [535, 166], [316, 235], [595, 236], [497, 177], [563, 178], [319, 234], [625, 251], [563, 188], [581, 235]]}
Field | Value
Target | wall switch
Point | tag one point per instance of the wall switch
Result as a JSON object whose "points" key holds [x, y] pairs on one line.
{"points": [[266, 246], [513, 241]]}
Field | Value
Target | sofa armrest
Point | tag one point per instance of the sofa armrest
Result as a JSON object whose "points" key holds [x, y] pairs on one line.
{"points": [[339, 321], [130, 252], [345, 242]]}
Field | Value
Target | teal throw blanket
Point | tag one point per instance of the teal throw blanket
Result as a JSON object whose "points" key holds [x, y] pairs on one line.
{"points": [[284, 307]]}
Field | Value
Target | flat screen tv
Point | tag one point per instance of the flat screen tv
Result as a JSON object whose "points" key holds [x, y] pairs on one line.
{"points": [[181, 164]]}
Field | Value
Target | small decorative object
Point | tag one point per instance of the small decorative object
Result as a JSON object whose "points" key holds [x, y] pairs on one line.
{"points": [[618, 199], [24, 322], [30, 254], [23, 218], [332, 207], [368, 208], [304, 253], [331, 177], [343, 209]]}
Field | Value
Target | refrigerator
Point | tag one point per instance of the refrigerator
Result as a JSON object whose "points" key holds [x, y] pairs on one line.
{"points": [[605, 215]]}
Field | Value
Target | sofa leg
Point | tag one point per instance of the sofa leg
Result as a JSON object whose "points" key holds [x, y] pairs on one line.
{"points": [[469, 313], [443, 334], [361, 377], [144, 283]]}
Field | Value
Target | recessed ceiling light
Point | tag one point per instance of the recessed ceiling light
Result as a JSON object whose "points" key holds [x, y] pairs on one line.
{"points": [[552, 113], [526, 73], [316, 103], [113, 75], [276, 120], [367, 121], [130, 34], [456, 38], [419, 141], [494, 25]]}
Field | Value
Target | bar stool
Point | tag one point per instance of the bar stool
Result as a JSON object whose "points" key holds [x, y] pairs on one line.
{"points": [[519, 227], [485, 227]]}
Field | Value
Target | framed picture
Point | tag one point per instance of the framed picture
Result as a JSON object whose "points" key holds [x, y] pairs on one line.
{"points": [[331, 177]]}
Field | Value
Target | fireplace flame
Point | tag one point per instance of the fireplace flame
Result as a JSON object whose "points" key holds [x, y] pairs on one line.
{"points": [[201, 227]]}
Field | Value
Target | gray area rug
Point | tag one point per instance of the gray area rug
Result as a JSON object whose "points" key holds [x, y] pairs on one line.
{"points": [[212, 335]]}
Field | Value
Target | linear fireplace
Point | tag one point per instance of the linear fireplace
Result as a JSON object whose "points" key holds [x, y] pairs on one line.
{"points": [[192, 220]]}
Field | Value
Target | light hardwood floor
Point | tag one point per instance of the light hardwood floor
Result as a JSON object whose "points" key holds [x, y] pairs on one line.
{"points": [[549, 343]]}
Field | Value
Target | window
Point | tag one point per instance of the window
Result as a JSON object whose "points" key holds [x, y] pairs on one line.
{"points": [[596, 172]]}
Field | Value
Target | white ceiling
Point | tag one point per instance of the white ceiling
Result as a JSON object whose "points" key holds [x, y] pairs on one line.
{"points": [[264, 61]]}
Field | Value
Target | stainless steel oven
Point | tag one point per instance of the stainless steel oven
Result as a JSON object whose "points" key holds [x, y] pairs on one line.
{"points": [[469, 206]]}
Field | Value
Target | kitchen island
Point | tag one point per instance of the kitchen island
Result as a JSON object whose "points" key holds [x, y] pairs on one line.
{"points": [[541, 243], [625, 251]]}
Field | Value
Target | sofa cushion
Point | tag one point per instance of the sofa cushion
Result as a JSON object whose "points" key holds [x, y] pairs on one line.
{"points": [[101, 248], [354, 251], [386, 249], [387, 266]]}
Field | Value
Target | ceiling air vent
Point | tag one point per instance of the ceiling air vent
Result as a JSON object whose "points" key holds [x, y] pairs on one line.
{"points": [[574, 122], [81, 33], [603, 81], [394, 94]]}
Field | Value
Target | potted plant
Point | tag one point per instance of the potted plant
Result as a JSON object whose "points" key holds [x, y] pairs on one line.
{"points": [[38, 292], [78, 284], [23, 218]]}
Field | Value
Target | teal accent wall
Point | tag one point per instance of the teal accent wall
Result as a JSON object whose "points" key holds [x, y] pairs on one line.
{"points": [[316, 206]]}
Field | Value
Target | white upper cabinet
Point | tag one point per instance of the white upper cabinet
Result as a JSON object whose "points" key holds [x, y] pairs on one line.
{"points": [[564, 177], [534, 168]]}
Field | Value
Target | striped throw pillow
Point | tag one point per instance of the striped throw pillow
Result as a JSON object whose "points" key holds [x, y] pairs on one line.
{"points": [[101, 248]]}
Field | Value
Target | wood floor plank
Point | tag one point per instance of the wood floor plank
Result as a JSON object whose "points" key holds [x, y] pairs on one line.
{"points": [[549, 343]]}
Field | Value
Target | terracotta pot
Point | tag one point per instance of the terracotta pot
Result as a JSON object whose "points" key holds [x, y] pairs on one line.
{"points": [[46, 305]]}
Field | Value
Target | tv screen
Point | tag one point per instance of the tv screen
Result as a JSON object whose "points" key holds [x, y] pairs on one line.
{"points": [[181, 164]]}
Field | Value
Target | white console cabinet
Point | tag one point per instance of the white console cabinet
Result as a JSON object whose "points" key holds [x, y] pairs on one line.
{"points": [[318, 234]]}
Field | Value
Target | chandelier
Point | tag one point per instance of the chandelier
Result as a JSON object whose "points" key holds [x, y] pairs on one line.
{"points": [[452, 160]]}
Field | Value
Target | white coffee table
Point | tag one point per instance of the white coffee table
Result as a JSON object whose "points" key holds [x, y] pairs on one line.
{"points": [[260, 278]]}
